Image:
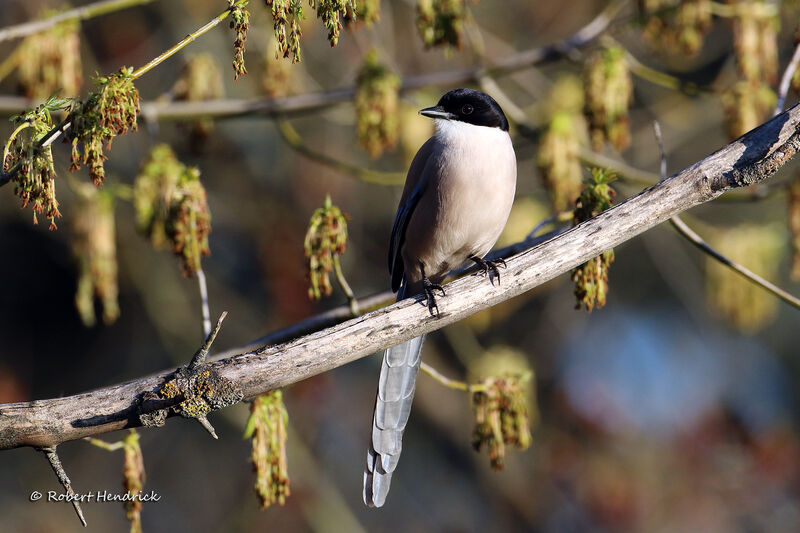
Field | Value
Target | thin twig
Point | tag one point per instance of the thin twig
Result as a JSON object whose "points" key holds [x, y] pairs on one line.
{"points": [[188, 39], [61, 474], [695, 239], [100, 443], [309, 102], [200, 356], [786, 81], [753, 158], [207, 426], [305, 103], [660, 141], [79, 13], [444, 380], [201, 282], [11, 140], [720, 9], [65, 124], [655, 76], [750, 159], [351, 298], [10, 63], [294, 140], [698, 241], [564, 216]]}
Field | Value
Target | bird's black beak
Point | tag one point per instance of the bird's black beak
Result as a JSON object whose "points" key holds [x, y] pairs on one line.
{"points": [[436, 112]]}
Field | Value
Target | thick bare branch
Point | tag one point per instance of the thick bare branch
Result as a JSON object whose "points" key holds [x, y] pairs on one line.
{"points": [[750, 159]]}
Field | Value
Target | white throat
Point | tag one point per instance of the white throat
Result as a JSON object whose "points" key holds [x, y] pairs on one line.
{"points": [[456, 133]]}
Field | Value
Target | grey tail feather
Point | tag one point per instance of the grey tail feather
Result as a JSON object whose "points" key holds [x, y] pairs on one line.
{"points": [[392, 406]]}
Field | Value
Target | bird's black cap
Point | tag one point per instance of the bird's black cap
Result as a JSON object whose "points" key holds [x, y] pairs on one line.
{"points": [[471, 106]]}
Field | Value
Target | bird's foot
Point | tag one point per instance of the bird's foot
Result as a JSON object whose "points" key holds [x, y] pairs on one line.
{"points": [[489, 267], [430, 292], [430, 289]]}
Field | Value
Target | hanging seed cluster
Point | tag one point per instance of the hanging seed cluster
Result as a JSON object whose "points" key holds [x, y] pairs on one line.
{"points": [[558, 158], [171, 207], [608, 90], [325, 239], [591, 278], [366, 11], [677, 27], [276, 76], [441, 22], [266, 428], [109, 111], [333, 14], [153, 191], [747, 307], [286, 17], [501, 417], [94, 246], [50, 61], [199, 80], [751, 99], [755, 40], [189, 222], [34, 181], [794, 225], [240, 23], [747, 106], [133, 479], [377, 106]]}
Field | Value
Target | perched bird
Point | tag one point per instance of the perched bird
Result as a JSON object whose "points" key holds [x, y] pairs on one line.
{"points": [[455, 203]]}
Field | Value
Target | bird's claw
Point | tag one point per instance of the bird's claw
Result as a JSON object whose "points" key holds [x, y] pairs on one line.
{"points": [[489, 268], [430, 289]]}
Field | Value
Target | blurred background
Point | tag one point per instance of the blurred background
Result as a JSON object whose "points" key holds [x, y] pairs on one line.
{"points": [[671, 408]]}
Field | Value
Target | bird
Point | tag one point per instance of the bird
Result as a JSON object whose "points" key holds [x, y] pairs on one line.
{"points": [[457, 198]]}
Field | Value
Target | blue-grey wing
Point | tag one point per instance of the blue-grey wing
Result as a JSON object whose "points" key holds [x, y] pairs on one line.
{"points": [[416, 181]]}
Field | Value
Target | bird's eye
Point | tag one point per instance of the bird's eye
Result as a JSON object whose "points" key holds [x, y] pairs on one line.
{"points": [[467, 109]]}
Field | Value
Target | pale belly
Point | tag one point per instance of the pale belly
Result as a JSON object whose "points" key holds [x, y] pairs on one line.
{"points": [[463, 216]]}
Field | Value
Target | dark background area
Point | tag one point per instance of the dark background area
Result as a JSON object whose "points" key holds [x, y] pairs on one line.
{"points": [[655, 414]]}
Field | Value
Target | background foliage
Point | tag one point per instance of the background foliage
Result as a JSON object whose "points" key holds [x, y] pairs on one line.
{"points": [[671, 408]]}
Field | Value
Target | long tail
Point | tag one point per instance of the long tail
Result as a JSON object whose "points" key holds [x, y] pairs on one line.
{"points": [[392, 407]]}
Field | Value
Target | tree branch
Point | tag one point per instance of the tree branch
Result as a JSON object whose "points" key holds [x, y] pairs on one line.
{"points": [[65, 124], [79, 13], [687, 232], [310, 102], [786, 80], [682, 228], [750, 159]]}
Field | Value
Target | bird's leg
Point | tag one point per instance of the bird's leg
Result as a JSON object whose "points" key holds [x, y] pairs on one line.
{"points": [[429, 289], [489, 267]]}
